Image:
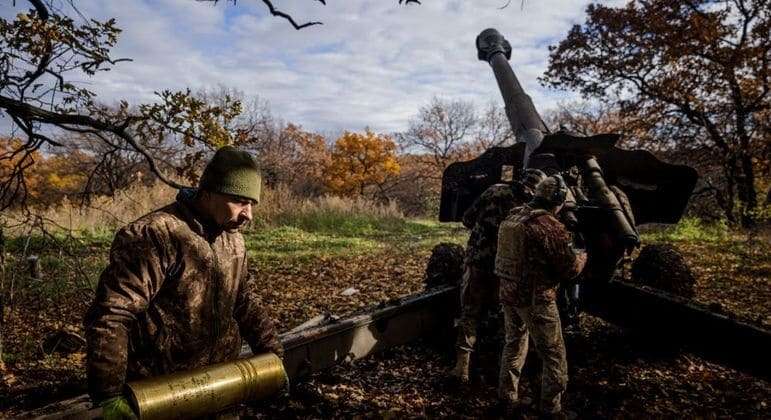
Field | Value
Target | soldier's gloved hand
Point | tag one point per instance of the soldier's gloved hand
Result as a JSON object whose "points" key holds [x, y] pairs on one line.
{"points": [[287, 385], [117, 408]]}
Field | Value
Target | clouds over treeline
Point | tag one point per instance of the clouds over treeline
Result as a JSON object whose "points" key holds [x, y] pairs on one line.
{"points": [[372, 63]]}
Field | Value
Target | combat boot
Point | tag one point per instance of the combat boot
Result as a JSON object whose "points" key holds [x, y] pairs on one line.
{"points": [[461, 370]]}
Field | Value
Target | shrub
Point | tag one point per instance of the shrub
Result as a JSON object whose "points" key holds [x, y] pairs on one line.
{"points": [[691, 229]]}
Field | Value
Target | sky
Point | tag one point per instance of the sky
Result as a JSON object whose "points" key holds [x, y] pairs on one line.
{"points": [[373, 63]]}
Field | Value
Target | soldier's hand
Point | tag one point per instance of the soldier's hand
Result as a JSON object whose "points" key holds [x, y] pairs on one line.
{"points": [[117, 408]]}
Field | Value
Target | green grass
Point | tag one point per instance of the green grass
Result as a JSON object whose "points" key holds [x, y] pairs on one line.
{"points": [[68, 263], [690, 229], [338, 223], [292, 242], [77, 260], [306, 238], [74, 242]]}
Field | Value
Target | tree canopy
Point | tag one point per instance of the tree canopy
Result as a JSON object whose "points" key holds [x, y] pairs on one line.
{"points": [[697, 70]]}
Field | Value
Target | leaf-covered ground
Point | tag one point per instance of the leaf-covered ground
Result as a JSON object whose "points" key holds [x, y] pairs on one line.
{"points": [[733, 278], [613, 374], [732, 270], [305, 272]]}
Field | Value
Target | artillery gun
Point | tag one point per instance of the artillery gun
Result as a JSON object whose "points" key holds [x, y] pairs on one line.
{"points": [[615, 191], [657, 191]]}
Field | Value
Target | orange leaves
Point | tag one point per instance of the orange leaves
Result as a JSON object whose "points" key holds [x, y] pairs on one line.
{"points": [[360, 160], [311, 153], [47, 179]]}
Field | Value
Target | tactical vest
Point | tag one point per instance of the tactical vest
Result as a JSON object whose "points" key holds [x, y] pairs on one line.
{"points": [[512, 246]]}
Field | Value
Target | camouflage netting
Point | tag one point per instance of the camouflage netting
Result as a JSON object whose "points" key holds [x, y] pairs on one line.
{"points": [[445, 266], [663, 267]]}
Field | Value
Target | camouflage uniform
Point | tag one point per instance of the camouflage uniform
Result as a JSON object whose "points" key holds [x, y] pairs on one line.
{"points": [[176, 295], [535, 254], [479, 289]]}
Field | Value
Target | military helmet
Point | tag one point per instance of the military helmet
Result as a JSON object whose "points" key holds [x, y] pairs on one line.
{"points": [[532, 177], [552, 191]]}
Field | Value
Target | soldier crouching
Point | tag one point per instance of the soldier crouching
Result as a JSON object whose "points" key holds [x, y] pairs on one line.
{"points": [[479, 289], [534, 255]]}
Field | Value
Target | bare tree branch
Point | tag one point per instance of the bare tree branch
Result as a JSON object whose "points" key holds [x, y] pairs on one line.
{"points": [[32, 113]]}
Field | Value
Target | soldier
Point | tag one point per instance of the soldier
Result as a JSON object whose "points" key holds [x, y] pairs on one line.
{"points": [[534, 255], [480, 286], [177, 294]]}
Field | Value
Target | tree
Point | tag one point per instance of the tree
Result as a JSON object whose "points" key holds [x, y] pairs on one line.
{"points": [[587, 118], [296, 158], [40, 50], [493, 129], [360, 161], [43, 52], [441, 134], [696, 70]]}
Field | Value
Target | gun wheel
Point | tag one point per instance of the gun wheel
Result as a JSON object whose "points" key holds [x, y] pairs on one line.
{"points": [[445, 265], [663, 267]]}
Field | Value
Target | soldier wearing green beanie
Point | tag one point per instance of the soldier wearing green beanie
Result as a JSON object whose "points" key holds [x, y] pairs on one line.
{"points": [[177, 293], [233, 172]]}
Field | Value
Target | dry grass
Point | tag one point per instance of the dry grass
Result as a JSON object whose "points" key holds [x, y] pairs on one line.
{"points": [[102, 214], [278, 207]]}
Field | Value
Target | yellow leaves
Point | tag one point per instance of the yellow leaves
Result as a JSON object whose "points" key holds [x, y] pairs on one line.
{"points": [[47, 178], [360, 160]]}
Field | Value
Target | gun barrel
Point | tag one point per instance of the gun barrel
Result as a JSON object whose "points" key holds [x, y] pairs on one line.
{"points": [[496, 50], [599, 191]]}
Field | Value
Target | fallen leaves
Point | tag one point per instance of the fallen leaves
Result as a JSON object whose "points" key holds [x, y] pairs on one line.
{"points": [[298, 290], [733, 276], [612, 374]]}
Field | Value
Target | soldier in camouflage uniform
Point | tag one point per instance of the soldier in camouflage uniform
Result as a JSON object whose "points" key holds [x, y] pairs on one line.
{"points": [[177, 294], [479, 289], [534, 256]]}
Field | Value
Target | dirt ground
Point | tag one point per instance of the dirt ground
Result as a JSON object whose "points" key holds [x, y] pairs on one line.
{"points": [[613, 374]]}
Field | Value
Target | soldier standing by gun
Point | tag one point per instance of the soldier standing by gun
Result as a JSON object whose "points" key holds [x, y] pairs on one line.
{"points": [[534, 256], [177, 294], [480, 286]]}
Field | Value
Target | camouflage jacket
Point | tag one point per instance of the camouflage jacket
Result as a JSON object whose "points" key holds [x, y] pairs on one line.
{"points": [[176, 295], [534, 255], [483, 218]]}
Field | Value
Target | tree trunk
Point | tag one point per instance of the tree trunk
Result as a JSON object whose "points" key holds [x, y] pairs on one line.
{"points": [[729, 173], [2, 290], [748, 196]]}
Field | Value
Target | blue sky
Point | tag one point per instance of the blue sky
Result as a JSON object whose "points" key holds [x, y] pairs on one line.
{"points": [[372, 64]]}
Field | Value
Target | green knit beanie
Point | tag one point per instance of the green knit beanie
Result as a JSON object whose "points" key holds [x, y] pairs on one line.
{"points": [[232, 171]]}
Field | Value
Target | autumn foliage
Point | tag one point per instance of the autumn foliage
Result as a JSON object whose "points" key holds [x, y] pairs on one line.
{"points": [[696, 73], [360, 162], [48, 179]]}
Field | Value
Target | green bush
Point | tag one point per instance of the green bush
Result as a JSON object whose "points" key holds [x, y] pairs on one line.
{"points": [[691, 229]]}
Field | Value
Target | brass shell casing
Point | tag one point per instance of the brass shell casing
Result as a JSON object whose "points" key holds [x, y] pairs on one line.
{"points": [[207, 390]]}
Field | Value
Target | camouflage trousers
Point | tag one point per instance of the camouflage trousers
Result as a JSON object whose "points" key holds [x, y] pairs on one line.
{"points": [[543, 323], [479, 293]]}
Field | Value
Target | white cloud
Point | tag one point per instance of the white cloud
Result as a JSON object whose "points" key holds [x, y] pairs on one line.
{"points": [[373, 63]]}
